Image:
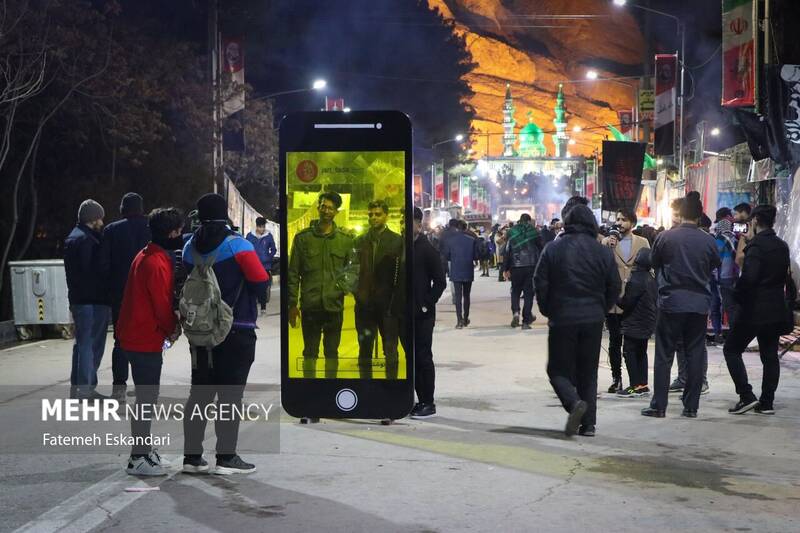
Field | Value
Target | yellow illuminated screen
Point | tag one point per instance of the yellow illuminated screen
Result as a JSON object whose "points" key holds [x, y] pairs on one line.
{"points": [[346, 275]]}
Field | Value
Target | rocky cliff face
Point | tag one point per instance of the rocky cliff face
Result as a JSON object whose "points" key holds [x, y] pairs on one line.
{"points": [[536, 44]]}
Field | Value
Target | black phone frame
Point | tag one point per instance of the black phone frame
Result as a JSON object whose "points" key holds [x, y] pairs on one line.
{"points": [[316, 397]]}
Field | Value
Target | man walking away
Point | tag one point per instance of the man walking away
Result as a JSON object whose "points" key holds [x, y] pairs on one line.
{"points": [[429, 284], [638, 306], [683, 259], [87, 296], [762, 292], [264, 244], [122, 240], [522, 253], [460, 251], [625, 246], [223, 370], [147, 321], [577, 282]]}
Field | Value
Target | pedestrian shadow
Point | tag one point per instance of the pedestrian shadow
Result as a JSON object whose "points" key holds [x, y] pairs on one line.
{"points": [[557, 434]]}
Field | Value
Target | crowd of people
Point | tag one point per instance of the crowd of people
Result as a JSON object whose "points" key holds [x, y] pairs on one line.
{"points": [[636, 283], [154, 283]]}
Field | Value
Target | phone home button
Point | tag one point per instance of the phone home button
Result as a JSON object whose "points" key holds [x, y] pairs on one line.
{"points": [[346, 400]]}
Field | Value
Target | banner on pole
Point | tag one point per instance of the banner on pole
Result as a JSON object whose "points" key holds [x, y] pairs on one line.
{"points": [[625, 121], [233, 64], [438, 181], [738, 53], [666, 70], [454, 189], [334, 104], [647, 104], [417, 189], [622, 174]]}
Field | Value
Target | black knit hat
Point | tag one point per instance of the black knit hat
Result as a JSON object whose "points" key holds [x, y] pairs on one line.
{"points": [[212, 206], [132, 204]]}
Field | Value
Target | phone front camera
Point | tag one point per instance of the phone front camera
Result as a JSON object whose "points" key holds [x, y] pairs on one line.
{"points": [[378, 125]]}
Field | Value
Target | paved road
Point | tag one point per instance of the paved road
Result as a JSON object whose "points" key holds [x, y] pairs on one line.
{"points": [[494, 460]]}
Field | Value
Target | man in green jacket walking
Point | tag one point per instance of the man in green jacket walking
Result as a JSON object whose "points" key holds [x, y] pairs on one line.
{"points": [[322, 268]]}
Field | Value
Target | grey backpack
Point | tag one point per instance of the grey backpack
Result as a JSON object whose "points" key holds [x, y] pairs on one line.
{"points": [[205, 317]]}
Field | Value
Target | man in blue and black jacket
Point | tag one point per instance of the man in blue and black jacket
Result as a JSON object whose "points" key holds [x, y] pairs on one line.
{"points": [[242, 280]]}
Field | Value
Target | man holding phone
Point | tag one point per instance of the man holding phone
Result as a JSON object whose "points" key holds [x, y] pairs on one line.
{"points": [[320, 253]]}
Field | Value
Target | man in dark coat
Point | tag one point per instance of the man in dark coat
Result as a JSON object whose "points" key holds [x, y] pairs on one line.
{"points": [[760, 293], [577, 283], [461, 251], [429, 284], [122, 241], [379, 254], [88, 300], [522, 253], [683, 258], [638, 305]]}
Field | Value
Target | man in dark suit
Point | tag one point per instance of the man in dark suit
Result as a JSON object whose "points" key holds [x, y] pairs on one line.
{"points": [[429, 284], [379, 254]]}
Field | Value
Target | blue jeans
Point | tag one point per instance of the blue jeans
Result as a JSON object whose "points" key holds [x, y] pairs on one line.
{"points": [[722, 301], [91, 325]]}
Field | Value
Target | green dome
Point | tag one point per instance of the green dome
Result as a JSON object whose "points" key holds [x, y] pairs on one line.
{"points": [[531, 139]]}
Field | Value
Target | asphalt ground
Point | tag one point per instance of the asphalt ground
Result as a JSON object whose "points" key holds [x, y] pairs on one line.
{"points": [[494, 459]]}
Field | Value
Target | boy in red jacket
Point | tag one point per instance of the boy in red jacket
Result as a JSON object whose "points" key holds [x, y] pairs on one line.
{"points": [[146, 319]]}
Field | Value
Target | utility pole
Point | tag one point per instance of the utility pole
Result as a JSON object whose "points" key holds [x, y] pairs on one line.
{"points": [[648, 62], [217, 175]]}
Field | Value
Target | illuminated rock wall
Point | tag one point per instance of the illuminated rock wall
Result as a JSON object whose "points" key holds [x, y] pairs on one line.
{"points": [[507, 48]]}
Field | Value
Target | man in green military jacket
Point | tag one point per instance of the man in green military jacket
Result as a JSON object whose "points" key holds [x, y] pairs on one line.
{"points": [[321, 270]]}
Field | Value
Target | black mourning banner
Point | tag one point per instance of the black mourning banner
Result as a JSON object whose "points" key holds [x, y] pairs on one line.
{"points": [[776, 134], [622, 174]]}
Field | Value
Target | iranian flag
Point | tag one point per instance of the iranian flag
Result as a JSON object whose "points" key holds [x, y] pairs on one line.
{"points": [[438, 181], [666, 70], [738, 53]]}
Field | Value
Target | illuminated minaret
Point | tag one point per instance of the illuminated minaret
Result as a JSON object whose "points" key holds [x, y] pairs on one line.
{"points": [[508, 124], [560, 138]]}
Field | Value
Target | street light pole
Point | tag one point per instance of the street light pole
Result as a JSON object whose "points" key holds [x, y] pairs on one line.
{"points": [[681, 28]]}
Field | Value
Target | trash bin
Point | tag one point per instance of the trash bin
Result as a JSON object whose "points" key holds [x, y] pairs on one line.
{"points": [[39, 290]]}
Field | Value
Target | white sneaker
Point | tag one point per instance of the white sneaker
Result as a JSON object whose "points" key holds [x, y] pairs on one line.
{"points": [[144, 466], [157, 459]]}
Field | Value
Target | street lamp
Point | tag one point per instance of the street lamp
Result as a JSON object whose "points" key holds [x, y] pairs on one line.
{"points": [[318, 85], [715, 132], [681, 30], [346, 110], [591, 74]]}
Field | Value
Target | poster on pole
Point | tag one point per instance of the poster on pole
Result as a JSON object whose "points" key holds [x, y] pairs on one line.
{"points": [[666, 70], [738, 53], [438, 181], [622, 174], [647, 104], [233, 65], [625, 121], [455, 192]]}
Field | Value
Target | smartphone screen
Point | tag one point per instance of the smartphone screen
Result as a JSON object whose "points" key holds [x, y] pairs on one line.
{"points": [[345, 214], [346, 225], [741, 227]]}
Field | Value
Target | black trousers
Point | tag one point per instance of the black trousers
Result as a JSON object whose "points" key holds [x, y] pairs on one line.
{"points": [[425, 372], [635, 352], [325, 326], [522, 285], [119, 360], [672, 328], [223, 377], [146, 374], [573, 358], [614, 325], [680, 355], [369, 322], [768, 341], [462, 290]]}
